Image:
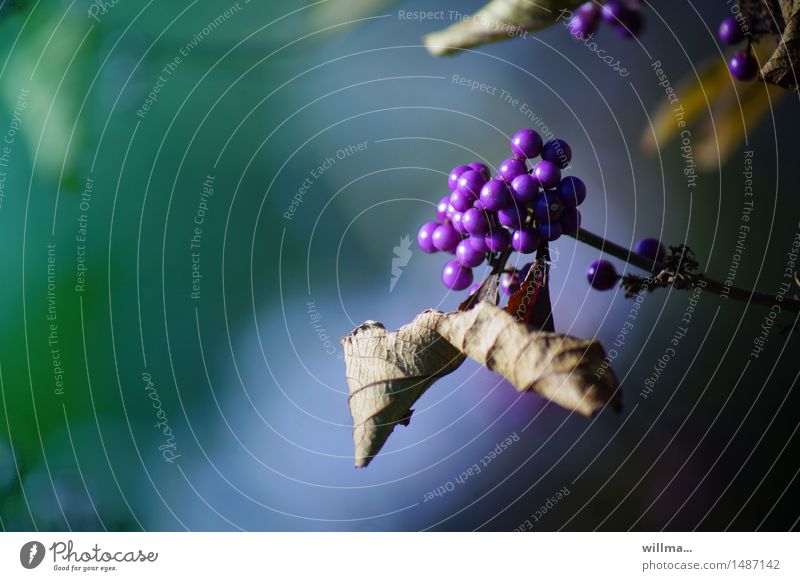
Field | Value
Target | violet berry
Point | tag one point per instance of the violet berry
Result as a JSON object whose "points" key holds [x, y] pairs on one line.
{"points": [[557, 151], [455, 276], [743, 65], [525, 240], [425, 237], [547, 173], [511, 168], [651, 248], [526, 144], [445, 238], [602, 275]]}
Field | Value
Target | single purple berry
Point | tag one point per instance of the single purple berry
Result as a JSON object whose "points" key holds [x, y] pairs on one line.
{"points": [[498, 240], [526, 144], [572, 191], [525, 240], [495, 195], [509, 283], [455, 276], [730, 32], [581, 26], [455, 173], [524, 189], [551, 231], [570, 221], [460, 202], [467, 255], [481, 168], [547, 173], [458, 223], [511, 168], [510, 217], [651, 248], [475, 221], [589, 9], [479, 243], [441, 209], [614, 11], [557, 151], [743, 65], [602, 275], [445, 238], [425, 237], [548, 207], [470, 184]]}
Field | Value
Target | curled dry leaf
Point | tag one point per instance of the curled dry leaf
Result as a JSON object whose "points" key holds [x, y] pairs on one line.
{"points": [[782, 67], [497, 20], [568, 371], [388, 372]]}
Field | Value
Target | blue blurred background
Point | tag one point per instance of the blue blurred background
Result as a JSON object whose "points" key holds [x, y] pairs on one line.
{"points": [[170, 353]]}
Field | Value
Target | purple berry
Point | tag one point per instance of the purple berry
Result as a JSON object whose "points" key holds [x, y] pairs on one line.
{"points": [[510, 217], [460, 202], [511, 168], [743, 65], [455, 276], [467, 255], [730, 32], [479, 243], [441, 208], [549, 207], [589, 9], [547, 173], [614, 11], [509, 283], [455, 173], [525, 189], [475, 221], [445, 238], [525, 240], [558, 152], [570, 221], [526, 144], [602, 275], [582, 26], [458, 223], [481, 168], [474, 288], [498, 240], [551, 231], [651, 248], [425, 237], [495, 195], [572, 191], [470, 184]]}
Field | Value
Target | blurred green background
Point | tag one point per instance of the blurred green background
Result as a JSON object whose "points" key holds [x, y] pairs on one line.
{"points": [[130, 404]]}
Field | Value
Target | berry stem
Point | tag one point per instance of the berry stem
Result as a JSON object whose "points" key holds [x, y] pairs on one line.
{"points": [[712, 286]]}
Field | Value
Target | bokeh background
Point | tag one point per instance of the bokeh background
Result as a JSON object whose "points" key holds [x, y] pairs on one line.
{"points": [[248, 376]]}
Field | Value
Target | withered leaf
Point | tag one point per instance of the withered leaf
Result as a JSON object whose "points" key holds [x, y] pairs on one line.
{"points": [[782, 67], [531, 303], [388, 372], [568, 371], [497, 20], [486, 292]]}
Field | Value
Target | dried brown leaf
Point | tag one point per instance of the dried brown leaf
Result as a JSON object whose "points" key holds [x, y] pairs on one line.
{"points": [[497, 20], [782, 67], [568, 371], [388, 372]]}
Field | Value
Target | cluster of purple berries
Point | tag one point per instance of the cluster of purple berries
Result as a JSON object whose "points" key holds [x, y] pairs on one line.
{"points": [[517, 209], [624, 16], [742, 64], [602, 275]]}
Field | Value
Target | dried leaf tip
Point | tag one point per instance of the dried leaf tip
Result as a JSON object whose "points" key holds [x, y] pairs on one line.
{"points": [[387, 372], [570, 372]]}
